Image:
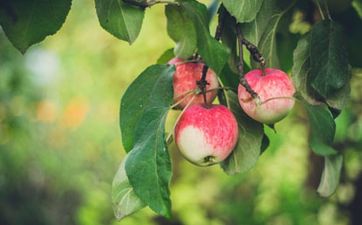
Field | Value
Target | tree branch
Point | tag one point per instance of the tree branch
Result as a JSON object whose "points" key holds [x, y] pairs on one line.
{"points": [[242, 80], [202, 83]]}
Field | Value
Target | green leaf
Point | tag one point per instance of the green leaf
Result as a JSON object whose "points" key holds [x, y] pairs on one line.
{"points": [[269, 11], [212, 51], [228, 77], [192, 16], [28, 22], [124, 199], [301, 72], [143, 114], [228, 38], [328, 59], [243, 11], [120, 19], [330, 176], [286, 42], [339, 98], [264, 143], [357, 4], [322, 129], [140, 95], [212, 9], [267, 44], [181, 29], [166, 56], [251, 133], [262, 31], [148, 166], [301, 69]]}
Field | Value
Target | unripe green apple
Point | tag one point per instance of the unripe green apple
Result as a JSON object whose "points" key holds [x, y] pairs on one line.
{"points": [[275, 90], [206, 135], [185, 79]]}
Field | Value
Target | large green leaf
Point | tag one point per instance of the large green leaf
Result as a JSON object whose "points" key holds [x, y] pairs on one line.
{"points": [[28, 22], [152, 88], [181, 29], [267, 43], [269, 10], [212, 51], [122, 20], [328, 59], [330, 175], [251, 133], [148, 165], [301, 68], [243, 11], [124, 199], [143, 113], [301, 72], [322, 129], [263, 29]]}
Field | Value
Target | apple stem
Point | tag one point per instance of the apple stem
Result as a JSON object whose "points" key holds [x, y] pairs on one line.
{"points": [[242, 80], [183, 97], [202, 83], [246, 85], [254, 52]]}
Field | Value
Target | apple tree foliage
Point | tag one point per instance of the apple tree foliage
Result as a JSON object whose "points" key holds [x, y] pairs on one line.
{"points": [[318, 48]]}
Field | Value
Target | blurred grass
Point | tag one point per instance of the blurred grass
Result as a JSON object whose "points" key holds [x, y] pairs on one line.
{"points": [[60, 143]]}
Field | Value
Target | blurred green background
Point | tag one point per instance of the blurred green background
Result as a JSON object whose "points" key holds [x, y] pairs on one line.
{"points": [[60, 143]]}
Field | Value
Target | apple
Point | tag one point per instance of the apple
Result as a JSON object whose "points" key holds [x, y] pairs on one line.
{"points": [[206, 135], [185, 79], [275, 90]]}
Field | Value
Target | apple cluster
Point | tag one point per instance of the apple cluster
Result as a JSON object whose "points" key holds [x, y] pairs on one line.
{"points": [[207, 133]]}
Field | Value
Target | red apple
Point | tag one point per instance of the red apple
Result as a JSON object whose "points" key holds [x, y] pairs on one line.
{"points": [[206, 135], [275, 90], [185, 78]]}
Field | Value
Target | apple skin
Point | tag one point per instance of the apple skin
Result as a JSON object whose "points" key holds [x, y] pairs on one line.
{"points": [[206, 135], [185, 78], [274, 84]]}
